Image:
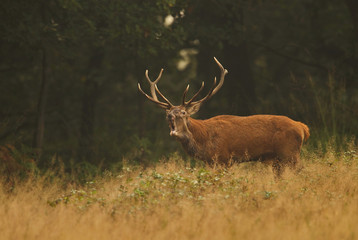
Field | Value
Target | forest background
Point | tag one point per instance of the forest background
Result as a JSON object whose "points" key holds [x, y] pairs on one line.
{"points": [[69, 71]]}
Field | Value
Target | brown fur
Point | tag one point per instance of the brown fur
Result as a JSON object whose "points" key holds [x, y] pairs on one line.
{"points": [[258, 137], [224, 138]]}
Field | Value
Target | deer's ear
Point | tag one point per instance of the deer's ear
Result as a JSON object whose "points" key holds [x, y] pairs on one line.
{"points": [[193, 108]]}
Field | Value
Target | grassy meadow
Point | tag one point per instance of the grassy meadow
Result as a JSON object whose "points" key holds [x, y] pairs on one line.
{"points": [[171, 200]]}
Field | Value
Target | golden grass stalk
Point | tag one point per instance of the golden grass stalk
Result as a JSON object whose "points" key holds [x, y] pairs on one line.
{"points": [[173, 201]]}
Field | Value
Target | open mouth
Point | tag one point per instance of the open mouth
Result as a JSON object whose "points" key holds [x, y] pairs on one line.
{"points": [[173, 131]]}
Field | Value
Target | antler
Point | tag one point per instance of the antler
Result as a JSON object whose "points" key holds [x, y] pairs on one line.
{"points": [[196, 94], [212, 91], [167, 104], [154, 89], [152, 84]]}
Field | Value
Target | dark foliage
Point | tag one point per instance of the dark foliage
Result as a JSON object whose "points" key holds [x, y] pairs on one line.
{"points": [[69, 71]]}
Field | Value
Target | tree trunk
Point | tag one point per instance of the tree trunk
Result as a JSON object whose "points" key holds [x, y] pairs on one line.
{"points": [[86, 150], [141, 115], [86, 143], [41, 106]]}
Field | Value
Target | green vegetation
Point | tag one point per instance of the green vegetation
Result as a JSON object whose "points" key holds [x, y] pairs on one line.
{"points": [[173, 200]]}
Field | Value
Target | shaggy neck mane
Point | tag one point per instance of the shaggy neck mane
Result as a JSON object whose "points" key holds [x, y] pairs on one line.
{"points": [[195, 138]]}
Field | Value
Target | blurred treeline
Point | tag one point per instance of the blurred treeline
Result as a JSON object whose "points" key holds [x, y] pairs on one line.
{"points": [[69, 71]]}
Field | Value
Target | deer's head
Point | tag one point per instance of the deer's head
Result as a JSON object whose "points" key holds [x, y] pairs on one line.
{"points": [[178, 116]]}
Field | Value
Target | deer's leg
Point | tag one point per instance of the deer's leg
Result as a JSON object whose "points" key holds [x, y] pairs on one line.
{"points": [[290, 154], [288, 146], [277, 168], [295, 163]]}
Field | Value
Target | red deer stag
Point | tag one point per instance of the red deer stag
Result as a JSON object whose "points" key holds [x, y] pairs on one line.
{"points": [[227, 138]]}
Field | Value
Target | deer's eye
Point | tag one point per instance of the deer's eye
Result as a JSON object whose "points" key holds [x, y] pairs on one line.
{"points": [[183, 112]]}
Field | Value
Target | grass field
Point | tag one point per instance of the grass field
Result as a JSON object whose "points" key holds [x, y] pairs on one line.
{"points": [[174, 201]]}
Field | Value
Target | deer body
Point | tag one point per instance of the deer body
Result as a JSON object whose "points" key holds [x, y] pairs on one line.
{"points": [[258, 137], [225, 138]]}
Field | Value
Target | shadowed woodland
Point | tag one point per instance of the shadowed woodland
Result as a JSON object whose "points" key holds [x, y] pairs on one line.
{"points": [[69, 71]]}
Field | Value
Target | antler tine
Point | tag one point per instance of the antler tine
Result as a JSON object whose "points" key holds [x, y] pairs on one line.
{"points": [[165, 99], [222, 77], [161, 104], [154, 87], [184, 94], [152, 83], [209, 95], [214, 88], [196, 94]]}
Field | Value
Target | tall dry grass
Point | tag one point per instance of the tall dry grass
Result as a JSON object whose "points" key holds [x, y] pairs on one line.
{"points": [[173, 201]]}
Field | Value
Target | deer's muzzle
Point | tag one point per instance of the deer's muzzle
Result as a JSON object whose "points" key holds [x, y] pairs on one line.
{"points": [[173, 130]]}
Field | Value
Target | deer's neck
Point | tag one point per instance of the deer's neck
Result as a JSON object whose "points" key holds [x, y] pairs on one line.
{"points": [[195, 138], [198, 130]]}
